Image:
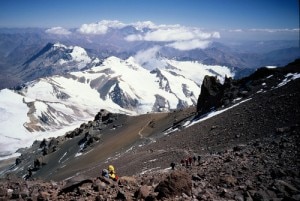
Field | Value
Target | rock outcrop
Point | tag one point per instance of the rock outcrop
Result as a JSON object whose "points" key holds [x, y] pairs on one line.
{"points": [[215, 95], [247, 153], [212, 92]]}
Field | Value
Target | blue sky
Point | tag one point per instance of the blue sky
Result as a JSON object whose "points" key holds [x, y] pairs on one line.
{"points": [[233, 16], [226, 14]]}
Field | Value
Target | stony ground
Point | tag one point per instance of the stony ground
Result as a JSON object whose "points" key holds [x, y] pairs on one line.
{"points": [[265, 169], [250, 152]]}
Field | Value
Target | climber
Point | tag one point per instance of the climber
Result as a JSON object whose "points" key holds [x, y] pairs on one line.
{"points": [[112, 173], [172, 165], [182, 162], [190, 161], [194, 159], [186, 162], [105, 173], [199, 158]]}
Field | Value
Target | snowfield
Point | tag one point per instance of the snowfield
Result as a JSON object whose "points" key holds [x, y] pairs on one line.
{"points": [[78, 55], [13, 115], [50, 106], [13, 118]]}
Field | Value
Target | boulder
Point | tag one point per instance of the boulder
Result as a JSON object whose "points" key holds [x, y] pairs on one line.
{"points": [[229, 180], [125, 180], [99, 185], [142, 192], [74, 183], [121, 195], [177, 183]]}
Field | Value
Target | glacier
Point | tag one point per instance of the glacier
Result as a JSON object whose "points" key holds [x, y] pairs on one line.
{"points": [[53, 105]]}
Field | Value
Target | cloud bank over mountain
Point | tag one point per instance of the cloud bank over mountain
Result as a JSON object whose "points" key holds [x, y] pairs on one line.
{"points": [[176, 36], [101, 27], [190, 44], [149, 58], [173, 33], [183, 38], [58, 31]]}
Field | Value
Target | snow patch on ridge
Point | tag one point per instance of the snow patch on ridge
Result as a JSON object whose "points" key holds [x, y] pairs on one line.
{"points": [[78, 55], [60, 103], [203, 117], [289, 77]]}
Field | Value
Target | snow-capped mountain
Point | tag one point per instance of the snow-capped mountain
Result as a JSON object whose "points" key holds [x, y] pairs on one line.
{"points": [[50, 104], [56, 59], [114, 38], [126, 85]]}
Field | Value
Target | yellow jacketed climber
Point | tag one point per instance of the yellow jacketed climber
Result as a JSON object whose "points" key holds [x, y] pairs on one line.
{"points": [[112, 173]]}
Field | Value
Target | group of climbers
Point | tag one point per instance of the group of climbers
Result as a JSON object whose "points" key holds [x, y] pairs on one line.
{"points": [[110, 173], [188, 162]]}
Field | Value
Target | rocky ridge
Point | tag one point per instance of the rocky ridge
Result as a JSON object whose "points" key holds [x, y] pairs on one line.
{"points": [[250, 152], [253, 171], [56, 59]]}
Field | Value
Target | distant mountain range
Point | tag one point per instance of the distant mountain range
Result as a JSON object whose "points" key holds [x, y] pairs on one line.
{"points": [[21, 50], [140, 96], [131, 86], [59, 78]]}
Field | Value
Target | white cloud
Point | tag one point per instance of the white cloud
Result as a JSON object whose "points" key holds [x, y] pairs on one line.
{"points": [[261, 34], [146, 24], [100, 27], [190, 44], [149, 58], [167, 35], [275, 30], [263, 30], [215, 34], [171, 34], [58, 31], [178, 37], [235, 30], [175, 36], [134, 37]]}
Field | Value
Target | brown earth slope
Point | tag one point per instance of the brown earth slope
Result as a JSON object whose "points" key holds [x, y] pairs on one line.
{"points": [[248, 152]]}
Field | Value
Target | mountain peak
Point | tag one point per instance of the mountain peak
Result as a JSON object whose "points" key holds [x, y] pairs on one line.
{"points": [[59, 45], [120, 86], [213, 150], [56, 59]]}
